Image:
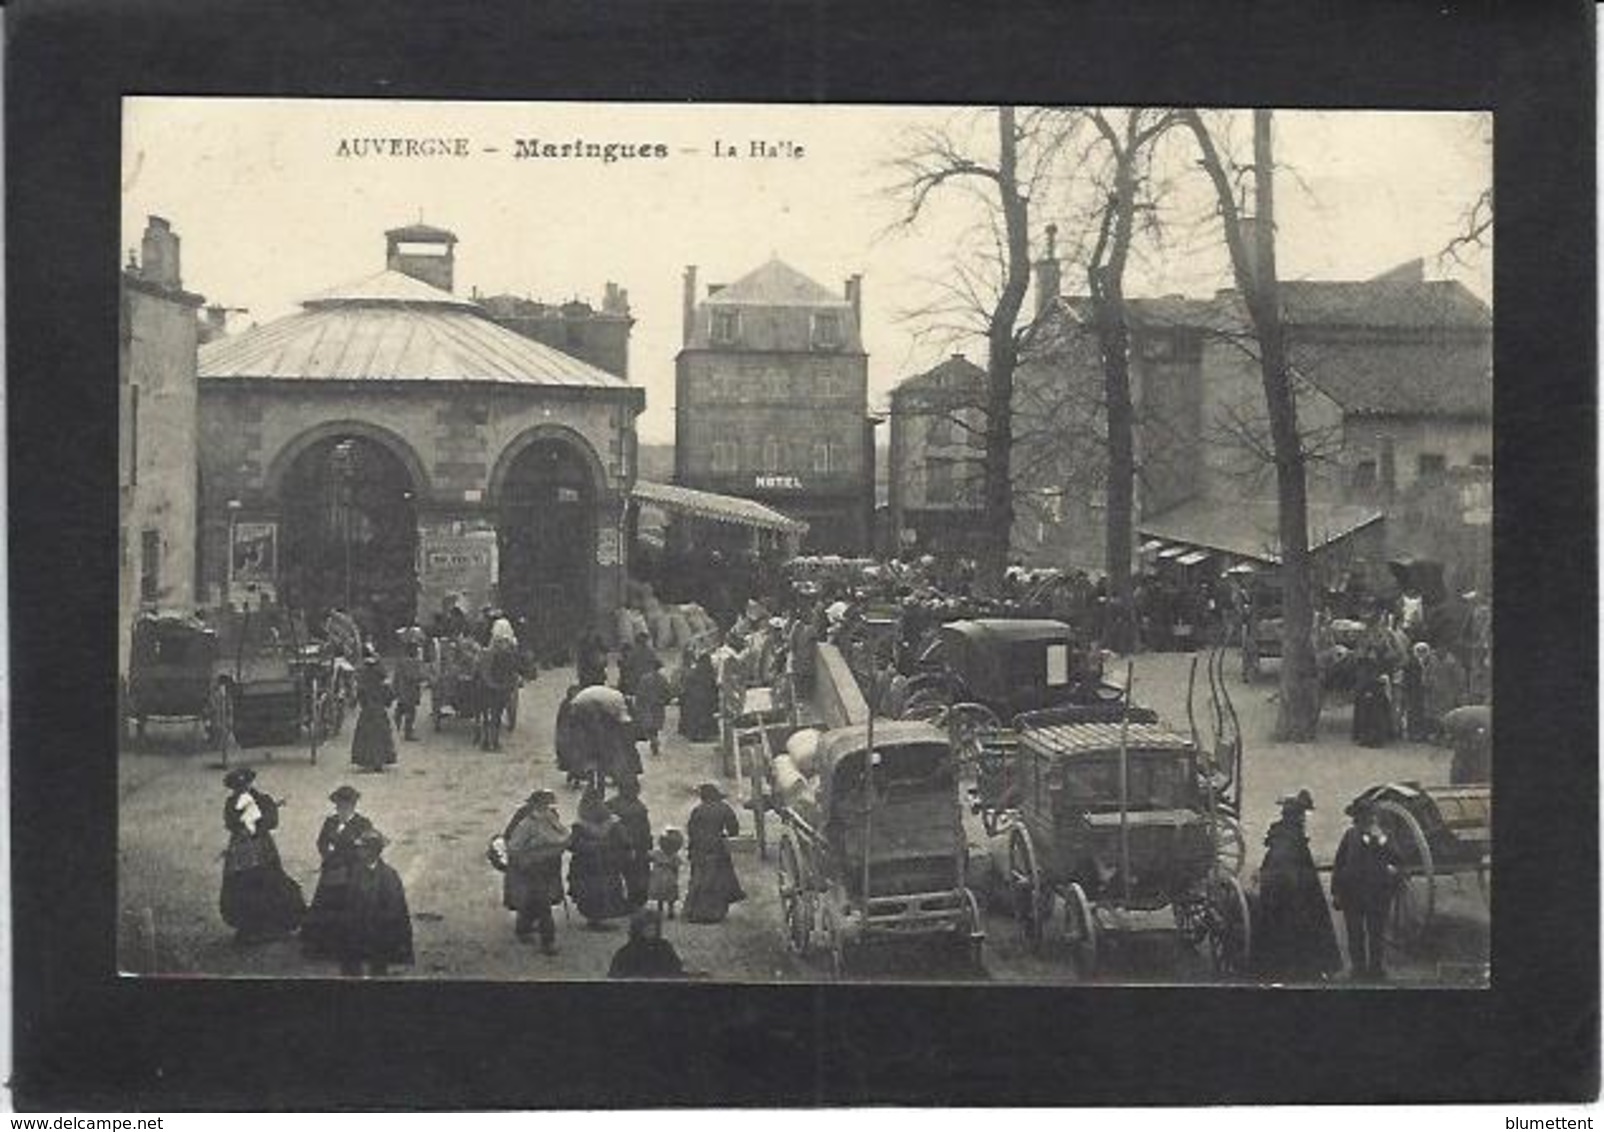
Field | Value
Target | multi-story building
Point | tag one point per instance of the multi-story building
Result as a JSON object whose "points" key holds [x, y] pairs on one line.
{"points": [[771, 401], [935, 494], [157, 474], [600, 337]]}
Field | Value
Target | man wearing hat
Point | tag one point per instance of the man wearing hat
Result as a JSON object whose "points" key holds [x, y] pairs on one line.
{"points": [[1364, 878], [337, 847], [536, 840], [1295, 938]]}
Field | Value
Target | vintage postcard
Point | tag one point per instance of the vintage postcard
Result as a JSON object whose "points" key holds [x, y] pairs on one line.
{"points": [[771, 543]]}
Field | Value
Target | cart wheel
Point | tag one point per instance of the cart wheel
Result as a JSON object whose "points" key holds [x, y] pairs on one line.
{"points": [[1032, 906], [795, 901], [925, 711], [1415, 900], [1230, 846], [1230, 925], [512, 708], [1081, 926]]}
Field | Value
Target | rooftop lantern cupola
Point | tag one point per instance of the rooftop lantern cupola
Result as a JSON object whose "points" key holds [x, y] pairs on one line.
{"points": [[426, 253]]}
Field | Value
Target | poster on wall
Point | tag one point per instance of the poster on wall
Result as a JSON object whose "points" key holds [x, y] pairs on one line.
{"points": [[607, 547], [456, 567], [252, 561]]}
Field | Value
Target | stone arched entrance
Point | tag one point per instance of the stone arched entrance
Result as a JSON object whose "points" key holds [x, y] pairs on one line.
{"points": [[545, 491], [347, 497]]}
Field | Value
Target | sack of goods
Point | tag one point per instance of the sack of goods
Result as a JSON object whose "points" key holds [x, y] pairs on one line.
{"points": [[496, 853], [609, 700]]}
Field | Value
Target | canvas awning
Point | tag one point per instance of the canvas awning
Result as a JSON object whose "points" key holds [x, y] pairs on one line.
{"points": [[1193, 557], [717, 508], [1247, 529]]}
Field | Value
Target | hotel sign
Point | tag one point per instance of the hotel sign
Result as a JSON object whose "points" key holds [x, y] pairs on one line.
{"points": [[777, 483]]}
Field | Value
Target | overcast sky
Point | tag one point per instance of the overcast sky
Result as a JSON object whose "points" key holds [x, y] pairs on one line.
{"points": [[269, 213]]}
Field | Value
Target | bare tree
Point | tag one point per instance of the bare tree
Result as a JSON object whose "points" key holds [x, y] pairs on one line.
{"points": [[989, 295], [1255, 271]]}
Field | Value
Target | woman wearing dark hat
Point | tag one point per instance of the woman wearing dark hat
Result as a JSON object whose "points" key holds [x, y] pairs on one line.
{"points": [[713, 885], [1363, 879], [698, 702], [536, 839], [597, 851], [1295, 936], [259, 899], [376, 927], [336, 845], [373, 743]]}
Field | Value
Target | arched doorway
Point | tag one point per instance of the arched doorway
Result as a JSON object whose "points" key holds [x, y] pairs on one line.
{"points": [[350, 533], [546, 525]]}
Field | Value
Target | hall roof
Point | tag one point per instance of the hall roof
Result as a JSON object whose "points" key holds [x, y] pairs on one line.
{"points": [[390, 327]]}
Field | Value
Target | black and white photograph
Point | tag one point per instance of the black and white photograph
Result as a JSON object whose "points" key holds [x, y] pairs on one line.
{"points": [[836, 543]]}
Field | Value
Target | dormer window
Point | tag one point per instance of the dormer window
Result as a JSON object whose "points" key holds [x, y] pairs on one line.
{"points": [[826, 330], [726, 327]]}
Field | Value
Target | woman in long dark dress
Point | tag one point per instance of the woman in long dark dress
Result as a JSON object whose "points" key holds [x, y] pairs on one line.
{"points": [[636, 823], [570, 745], [590, 660], [1294, 937], [1372, 709], [259, 899], [698, 701], [713, 885], [337, 846], [373, 742], [376, 926], [595, 873]]}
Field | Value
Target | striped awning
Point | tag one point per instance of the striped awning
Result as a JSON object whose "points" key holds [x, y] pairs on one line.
{"points": [[717, 508]]}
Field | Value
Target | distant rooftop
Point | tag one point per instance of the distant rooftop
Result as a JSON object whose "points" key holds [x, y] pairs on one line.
{"points": [[776, 284]]}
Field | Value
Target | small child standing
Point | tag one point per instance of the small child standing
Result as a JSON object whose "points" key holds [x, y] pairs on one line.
{"points": [[408, 683], [663, 886]]}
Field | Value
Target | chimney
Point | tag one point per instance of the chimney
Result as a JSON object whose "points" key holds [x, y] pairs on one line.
{"points": [[216, 321], [690, 303], [1049, 280], [158, 254], [426, 254], [714, 288], [854, 291]]}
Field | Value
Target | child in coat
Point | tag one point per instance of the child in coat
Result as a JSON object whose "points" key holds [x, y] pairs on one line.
{"points": [[663, 885]]}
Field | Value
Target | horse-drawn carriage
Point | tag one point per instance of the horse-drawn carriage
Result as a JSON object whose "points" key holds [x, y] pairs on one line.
{"points": [[170, 671], [1437, 832], [454, 680], [1119, 823], [873, 851]]}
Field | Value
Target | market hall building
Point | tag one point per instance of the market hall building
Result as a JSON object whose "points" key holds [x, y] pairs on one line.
{"points": [[391, 444]]}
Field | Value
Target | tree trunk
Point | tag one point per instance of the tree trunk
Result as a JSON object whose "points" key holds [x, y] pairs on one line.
{"points": [[1298, 717], [1003, 358], [1106, 284]]}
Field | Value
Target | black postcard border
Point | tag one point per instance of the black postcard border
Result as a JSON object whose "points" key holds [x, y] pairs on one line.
{"points": [[85, 1039]]}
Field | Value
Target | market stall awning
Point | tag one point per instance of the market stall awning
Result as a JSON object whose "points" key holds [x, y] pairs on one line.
{"points": [[716, 508], [1246, 529]]}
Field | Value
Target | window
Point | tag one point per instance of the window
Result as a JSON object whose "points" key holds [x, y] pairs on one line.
{"points": [[771, 454], [826, 330], [150, 562], [940, 431], [726, 327], [726, 456], [1364, 475], [825, 457], [131, 449], [1429, 464], [829, 383], [938, 482], [774, 383]]}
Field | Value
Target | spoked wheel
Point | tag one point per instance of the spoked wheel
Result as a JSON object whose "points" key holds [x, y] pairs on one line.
{"points": [[967, 726], [796, 902], [925, 711], [512, 708], [1032, 904], [1230, 846], [1415, 899], [1229, 925], [1081, 927]]}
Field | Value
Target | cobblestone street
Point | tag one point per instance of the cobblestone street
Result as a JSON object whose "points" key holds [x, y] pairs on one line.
{"points": [[445, 799]]}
